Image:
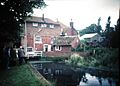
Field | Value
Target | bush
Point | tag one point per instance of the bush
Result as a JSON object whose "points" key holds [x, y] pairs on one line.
{"points": [[103, 57], [107, 57], [75, 59]]}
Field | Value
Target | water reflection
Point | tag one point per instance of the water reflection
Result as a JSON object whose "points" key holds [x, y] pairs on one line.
{"points": [[65, 75], [97, 81]]}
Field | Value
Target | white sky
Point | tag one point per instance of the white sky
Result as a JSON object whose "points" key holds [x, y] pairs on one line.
{"points": [[82, 12]]}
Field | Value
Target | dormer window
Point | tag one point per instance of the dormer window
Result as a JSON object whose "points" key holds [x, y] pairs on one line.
{"points": [[35, 24], [43, 25], [52, 26]]}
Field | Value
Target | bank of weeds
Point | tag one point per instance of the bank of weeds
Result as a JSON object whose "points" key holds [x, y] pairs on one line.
{"points": [[99, 57]]}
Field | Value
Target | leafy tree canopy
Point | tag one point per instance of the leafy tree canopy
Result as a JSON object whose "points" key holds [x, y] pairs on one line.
{"points": [[111, 34], [12, 15], [90, 29], [93, 28]]}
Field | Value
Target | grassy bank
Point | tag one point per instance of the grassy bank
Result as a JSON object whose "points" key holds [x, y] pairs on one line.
{"points": [[20, 76]]}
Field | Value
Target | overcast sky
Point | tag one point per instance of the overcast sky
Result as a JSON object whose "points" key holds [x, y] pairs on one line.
{"points": [[82, 12]]}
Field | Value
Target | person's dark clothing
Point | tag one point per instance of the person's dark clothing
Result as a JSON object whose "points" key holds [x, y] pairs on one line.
{"points": [[13, 57], [21, 55], [6, 57]]}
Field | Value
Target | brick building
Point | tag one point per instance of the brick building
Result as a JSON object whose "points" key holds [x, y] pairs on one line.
{"points": [[41, 34]]}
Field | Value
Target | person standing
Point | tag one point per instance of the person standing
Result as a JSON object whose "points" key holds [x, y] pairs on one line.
{"points": [[13, 56], [6, 57], [21, 55]]}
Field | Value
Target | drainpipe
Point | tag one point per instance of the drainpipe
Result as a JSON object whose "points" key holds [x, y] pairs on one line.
{"points": [[34, 41], [25, 46]]}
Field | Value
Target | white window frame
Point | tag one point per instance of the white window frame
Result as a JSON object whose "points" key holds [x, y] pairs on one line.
{"points": [[51, 26], [43, 25], [38, 39], [58, 48], [35, 24], [52, 39]]}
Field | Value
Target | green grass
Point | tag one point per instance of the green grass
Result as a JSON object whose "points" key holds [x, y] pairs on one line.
{"points": [[20, 76]]}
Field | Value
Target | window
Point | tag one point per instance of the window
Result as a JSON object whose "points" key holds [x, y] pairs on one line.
{"points": [[51, 26], [35, 24], [43, 25], [38, 39], [29, 49], [52, 40], [58, 48]]}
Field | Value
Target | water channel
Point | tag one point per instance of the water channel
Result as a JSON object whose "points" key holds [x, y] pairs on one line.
{"points": [[66, 75]]}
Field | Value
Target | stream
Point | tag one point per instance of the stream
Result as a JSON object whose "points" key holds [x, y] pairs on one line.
{"points": [[65, 75]]}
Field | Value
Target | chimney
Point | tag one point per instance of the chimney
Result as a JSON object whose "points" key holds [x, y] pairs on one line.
{"points": [[71, 24], [57, 20], [43, 17]]}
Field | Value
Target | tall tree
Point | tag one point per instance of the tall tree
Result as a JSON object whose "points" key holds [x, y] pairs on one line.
{"points": [[114, 35], [99, 28], [107, 30], [12, 15], [111, 34]]}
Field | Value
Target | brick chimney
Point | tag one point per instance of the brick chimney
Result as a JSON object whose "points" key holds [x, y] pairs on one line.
{"points": [[43, 17], [71, 24]]}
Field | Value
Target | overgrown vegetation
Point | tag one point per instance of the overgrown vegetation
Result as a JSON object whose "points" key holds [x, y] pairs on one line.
{"points": [[99, 57], [104, 53]]}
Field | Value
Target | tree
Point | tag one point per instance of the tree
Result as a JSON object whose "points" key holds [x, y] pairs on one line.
{"points": [[99, 28], [93, 28], [12, 16], [108, 24], [111, 35], [90, 29]]}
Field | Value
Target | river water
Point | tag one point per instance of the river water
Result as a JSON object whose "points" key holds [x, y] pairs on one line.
{"points": [[66, 75]]}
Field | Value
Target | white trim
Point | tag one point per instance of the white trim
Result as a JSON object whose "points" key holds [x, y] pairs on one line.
{"points": [[58, 48], [34, 24], [49, 47], [51, 26], [43, 25], [46, 46]]}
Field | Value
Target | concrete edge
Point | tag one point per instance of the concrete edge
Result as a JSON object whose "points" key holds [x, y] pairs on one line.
{"points": [[39, 76]]}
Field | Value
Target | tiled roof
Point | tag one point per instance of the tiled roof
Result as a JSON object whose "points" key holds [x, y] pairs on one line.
{"points": [[63, 40], [45, 31], [71, 32], [40, 19], [56, 31]]}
